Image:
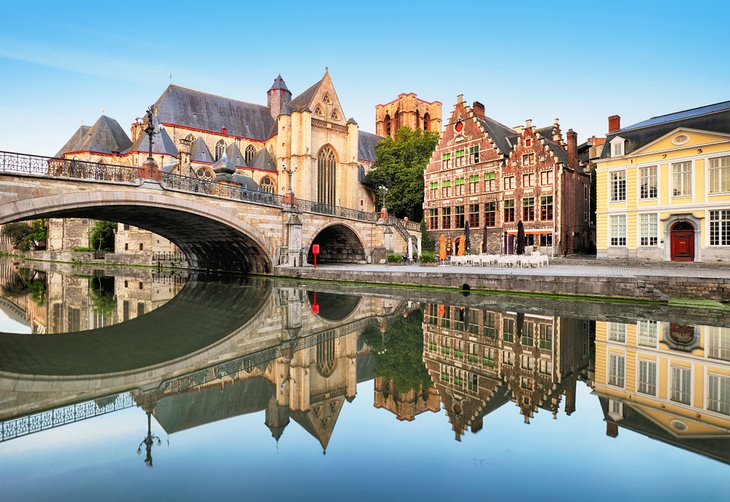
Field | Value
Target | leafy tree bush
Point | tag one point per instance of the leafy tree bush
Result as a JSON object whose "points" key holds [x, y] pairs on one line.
{"points": [[427, 243], [26, 237], [101, 236], [394, 258], [399, 165], [427, 257]]}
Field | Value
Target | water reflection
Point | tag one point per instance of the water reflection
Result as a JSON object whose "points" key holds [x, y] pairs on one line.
{"points": [[193, 353]]}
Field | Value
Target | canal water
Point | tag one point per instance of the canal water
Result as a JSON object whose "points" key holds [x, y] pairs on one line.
{"points": [[133, 383]]}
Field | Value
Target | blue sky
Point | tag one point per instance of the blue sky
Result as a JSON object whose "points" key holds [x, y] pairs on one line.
{"points": [[63, 63]]}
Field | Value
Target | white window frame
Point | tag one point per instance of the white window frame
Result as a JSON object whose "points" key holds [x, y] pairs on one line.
{"points": [[616, 331], [620, 376], [611, 226], [718, 343], [640, 230], [611, 174], [672, 388], [722, 407], [709, 169], [691, 178], [644, 329], [720, 234], [618, 147], [651, 372], [656, 180]]}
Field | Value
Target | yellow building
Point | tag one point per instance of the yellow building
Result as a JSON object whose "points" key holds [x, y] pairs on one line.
{"points": [[663, 187], [667, 380]]}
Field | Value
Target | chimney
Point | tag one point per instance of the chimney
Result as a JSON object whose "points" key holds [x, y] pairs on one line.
{"points": [[614, 123], [611, 429], [478, 109], [572, 148], [459, 98]]}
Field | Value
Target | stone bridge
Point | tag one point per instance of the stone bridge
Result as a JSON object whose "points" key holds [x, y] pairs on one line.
{"points": [[218, 225]]}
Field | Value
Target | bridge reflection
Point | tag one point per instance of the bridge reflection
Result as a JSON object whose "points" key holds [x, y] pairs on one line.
{"points": [[469, 357]]}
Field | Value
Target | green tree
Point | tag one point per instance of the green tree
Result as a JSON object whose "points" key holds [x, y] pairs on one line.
{"points": [[401, 358], [398, 169], [427, 243], [101, 236], [26, 237]]}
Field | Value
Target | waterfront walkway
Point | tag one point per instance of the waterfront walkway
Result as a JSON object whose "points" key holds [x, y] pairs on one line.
{"points": [[563, 276]]}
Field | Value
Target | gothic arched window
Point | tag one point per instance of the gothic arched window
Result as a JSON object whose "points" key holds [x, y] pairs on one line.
{"points": [[326, 176], [220, 149], [190, 138], [326, 354], [250, 152], [426, 121], [335, 115], [267, 185], [326, 99], [318, 110], [387, 125]]}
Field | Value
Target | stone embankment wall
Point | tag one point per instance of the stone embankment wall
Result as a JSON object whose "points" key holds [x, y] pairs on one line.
{"points": [[641, 288]]}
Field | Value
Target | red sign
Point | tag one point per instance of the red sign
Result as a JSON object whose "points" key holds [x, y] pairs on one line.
{"points": [[315, 252]]}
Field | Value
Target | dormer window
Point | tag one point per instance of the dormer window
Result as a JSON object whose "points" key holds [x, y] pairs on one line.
{"points": [[318, 110], [326, 98], [618, 147], [335, 115]]}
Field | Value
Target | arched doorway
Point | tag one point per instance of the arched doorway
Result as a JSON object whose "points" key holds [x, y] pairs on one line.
{"points": [[338, 244], [682, 241]]}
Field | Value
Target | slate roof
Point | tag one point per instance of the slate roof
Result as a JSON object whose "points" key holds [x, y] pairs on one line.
{"points": [[234, 153], [105, 136], [224, 165], [366, 145], [557, 150], [199, 151], [208, 112], [279, 84], [262, 160], [75, 142], [302, 101], [161, 143], [246, 182], [714, 118], [504, 137]]}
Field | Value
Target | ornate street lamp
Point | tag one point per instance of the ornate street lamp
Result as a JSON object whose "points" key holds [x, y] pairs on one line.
{"points": [[148, 441]]}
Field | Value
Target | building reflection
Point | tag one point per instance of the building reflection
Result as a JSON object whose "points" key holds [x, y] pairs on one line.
{"points": [[480, 359], [667, 381], [54, 302]]}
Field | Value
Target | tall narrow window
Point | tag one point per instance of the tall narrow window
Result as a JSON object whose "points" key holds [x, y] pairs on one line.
{"points": [[220, 149], [719, 343], [720, 174], [618, 186], [528, 209], [445, 160], [648, 333], [509, 182], [546, 177], [326, 176], [459, 186], [433, 189], [718, 396], [647, 377], [387, 125], [326, 354], [682, 179], [528, 180], [474, 154], [474, 215], [249, 154], [617, 225], [617, 332], [648, 229], [490, 214], [681, 384], [426, 122], [720, 227], [490, 182], [616, 370], [446, 188], [546, 208], [445, 218], [647, 182], [473, 183], [433, 218], [459, 214], [267, 185], [509, 211], [459, 158]]}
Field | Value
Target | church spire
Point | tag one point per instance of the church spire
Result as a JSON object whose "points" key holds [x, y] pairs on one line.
{"points": [[278, 97]]}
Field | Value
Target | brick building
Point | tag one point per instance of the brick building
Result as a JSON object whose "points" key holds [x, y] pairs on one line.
{"points": [[493, 176]]}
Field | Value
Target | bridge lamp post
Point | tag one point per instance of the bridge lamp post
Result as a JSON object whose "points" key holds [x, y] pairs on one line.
{"points": [[149, 129], [148, 441]]}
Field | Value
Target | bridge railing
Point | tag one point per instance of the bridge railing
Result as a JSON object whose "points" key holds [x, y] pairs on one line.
{"points": [[220, 189], [11, 162], [310, 206]]}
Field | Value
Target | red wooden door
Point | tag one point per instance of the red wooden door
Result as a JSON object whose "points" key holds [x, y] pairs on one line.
{"points": [[683, 245]]}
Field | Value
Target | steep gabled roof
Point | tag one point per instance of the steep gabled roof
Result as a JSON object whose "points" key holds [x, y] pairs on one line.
{"points": [[161, 143], [199, 152], [279, 84], [366, 145], [75, 142], [262, 160], [235, 155], [208, 112], [557, 150], [105, 136], [303, 101], [714, 118], [503, 137]]}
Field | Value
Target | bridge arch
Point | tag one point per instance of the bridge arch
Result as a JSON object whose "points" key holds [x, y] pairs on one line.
{"points": [[338, 243], [210, 237]]}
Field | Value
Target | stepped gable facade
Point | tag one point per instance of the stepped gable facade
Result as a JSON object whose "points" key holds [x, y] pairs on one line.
{"points": [[492, 176]]}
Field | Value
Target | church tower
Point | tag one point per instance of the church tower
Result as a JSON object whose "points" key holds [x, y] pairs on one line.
{"points": [[278, 97], [407, 110]]}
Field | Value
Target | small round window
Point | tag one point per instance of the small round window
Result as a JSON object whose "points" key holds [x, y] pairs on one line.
{"points": [[679, 425], [680, 139], [459, 126]]}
